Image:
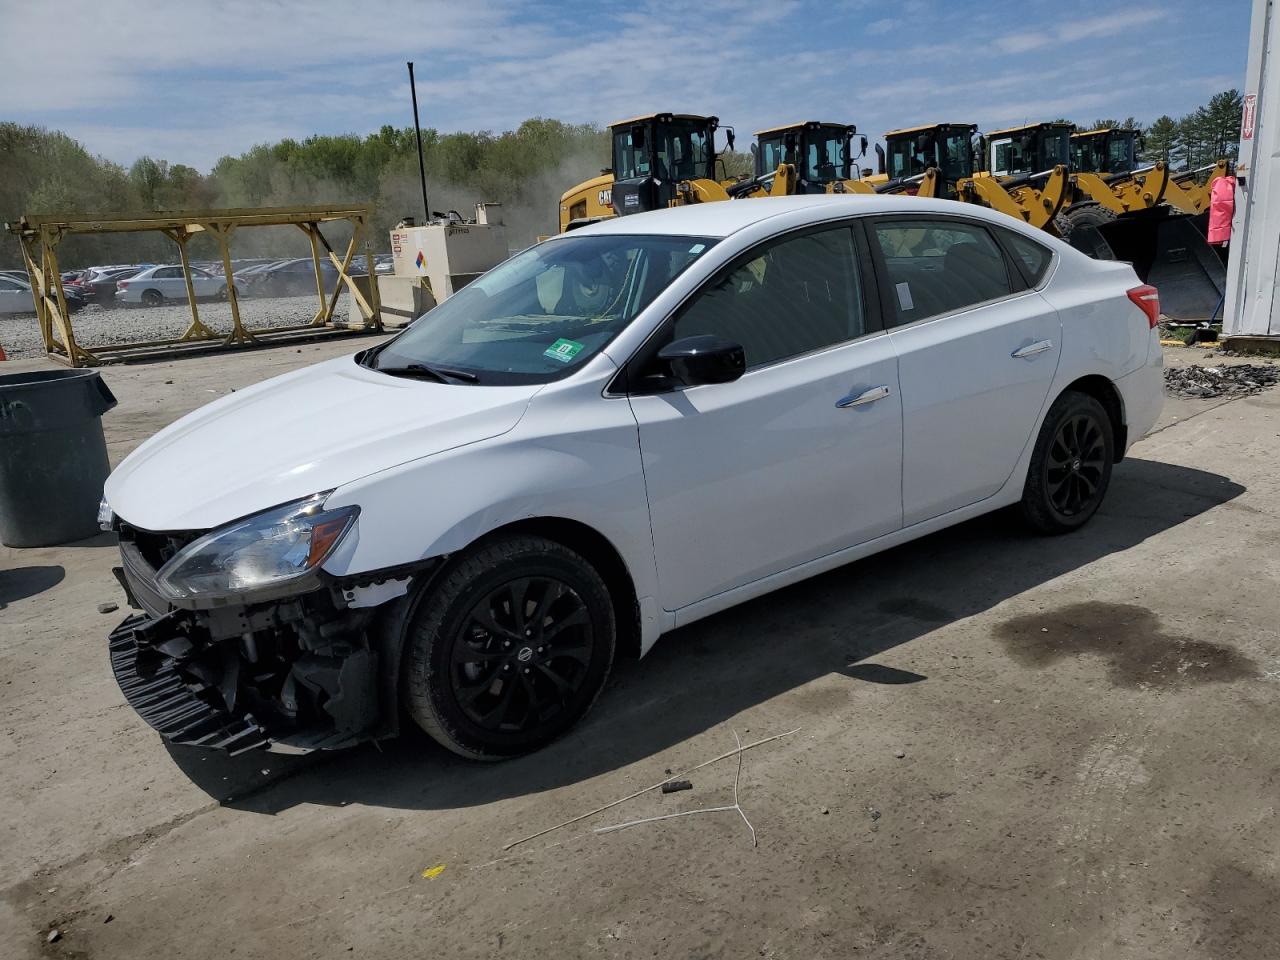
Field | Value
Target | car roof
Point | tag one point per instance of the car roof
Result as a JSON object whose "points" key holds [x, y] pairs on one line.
{"points": [[729, 216]]}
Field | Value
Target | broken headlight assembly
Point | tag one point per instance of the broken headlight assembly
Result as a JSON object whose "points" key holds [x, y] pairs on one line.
{"points": [[268, 554]]}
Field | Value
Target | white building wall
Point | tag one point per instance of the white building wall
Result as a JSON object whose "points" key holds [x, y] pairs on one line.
{"points": [[1252, 292]]}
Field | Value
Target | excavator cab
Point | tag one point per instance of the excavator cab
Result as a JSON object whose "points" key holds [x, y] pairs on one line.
{"points": [[1108, 150], [654, 154], [1032, 149], [945, 147], [821, 153]]}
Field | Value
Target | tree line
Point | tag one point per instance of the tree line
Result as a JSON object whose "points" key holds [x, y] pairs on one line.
{"points": [[1200, 138], [525, 169]]}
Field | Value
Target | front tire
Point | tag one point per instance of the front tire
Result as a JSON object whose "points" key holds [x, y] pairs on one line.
{"points": [[1071, 465], [510, 649]]}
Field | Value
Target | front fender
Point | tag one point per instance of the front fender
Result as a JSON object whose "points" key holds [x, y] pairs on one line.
{"points": [[442, 504]]}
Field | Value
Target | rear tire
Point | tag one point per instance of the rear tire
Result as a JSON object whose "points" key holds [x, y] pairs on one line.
{"points": [[510, 649], [1080, 225], [1071, 465], [152, 298]]}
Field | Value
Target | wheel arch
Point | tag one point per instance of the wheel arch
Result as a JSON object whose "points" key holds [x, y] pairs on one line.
{"points": [[1104, 391], [597, 550], [388, 633]]}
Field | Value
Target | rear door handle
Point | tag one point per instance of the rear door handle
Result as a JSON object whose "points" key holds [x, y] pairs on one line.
{"points": [[1031, 349], [866, 396]]}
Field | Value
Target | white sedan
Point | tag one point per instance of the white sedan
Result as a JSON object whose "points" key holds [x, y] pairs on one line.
{"points": [[612, 434], [155, 285]]}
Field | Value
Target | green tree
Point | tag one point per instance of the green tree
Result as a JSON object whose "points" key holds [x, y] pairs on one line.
{"points": [[1161, 137]]}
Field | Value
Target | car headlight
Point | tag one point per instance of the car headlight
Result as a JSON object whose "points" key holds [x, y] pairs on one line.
{"points": [[266, 550], [104, 515]]}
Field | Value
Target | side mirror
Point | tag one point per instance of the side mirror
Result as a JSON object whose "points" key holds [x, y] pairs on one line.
{"points": [[863, 152], [704, 359], [729, 138], [880, 164]]}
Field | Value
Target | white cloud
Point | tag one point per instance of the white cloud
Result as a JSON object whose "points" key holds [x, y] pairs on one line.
{"points": [[193, 80]]}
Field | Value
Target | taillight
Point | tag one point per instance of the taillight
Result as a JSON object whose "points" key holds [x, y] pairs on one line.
{"points": [[122, 284], [1147, 299]]}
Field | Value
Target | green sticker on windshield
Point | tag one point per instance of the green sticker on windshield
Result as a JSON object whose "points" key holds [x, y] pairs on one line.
{"points": [[563, 350]]}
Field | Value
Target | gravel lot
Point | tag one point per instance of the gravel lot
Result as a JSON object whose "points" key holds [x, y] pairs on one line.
{"points": [[1010, 748], [95, 324]]}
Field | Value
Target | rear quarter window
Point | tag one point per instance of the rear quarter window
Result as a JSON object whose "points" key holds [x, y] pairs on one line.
{"points": [[1033, 257]]}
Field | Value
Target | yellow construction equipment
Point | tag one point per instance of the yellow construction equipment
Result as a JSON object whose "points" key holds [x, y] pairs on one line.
{"points": [[659, 160], [812, 156]]}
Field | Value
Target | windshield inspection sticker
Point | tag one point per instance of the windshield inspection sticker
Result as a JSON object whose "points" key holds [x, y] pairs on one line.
{"points": [[563, 350]]}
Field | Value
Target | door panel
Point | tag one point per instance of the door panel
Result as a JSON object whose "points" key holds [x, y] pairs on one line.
{"points": [[750, 478], [969, 405]]}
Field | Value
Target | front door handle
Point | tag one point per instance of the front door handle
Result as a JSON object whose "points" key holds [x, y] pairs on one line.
{"points": [[866, 396], [1031, 349]]}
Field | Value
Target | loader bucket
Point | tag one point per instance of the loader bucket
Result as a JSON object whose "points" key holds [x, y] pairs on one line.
{"points": [[1168, 250]]}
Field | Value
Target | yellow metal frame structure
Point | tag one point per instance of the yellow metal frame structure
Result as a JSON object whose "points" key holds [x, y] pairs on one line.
{"points": [[39, 236]]}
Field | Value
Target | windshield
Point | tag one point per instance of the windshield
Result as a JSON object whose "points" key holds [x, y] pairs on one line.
{"points": [[958, 156], [630, 154], [769, 153], [910, 156], [683, 151], [826, 156], [1119, 153], [1033, 151], [1103, 153], [546, 311]]}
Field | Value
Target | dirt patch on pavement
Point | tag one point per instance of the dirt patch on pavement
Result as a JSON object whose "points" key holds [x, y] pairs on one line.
{"points": [[1138, 651]]}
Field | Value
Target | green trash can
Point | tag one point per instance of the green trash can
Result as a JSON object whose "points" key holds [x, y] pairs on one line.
{"points": [[53, 455]]}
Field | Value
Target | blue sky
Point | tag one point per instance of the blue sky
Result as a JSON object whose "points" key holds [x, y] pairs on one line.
{"points": [[190, 81]]}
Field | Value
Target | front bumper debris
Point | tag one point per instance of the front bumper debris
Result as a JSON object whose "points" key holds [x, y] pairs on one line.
{"points": [[171, 706], [295, 676]]}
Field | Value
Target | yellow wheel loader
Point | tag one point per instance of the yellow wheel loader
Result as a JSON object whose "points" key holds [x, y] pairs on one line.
{"points": [[809, 157], [659, 160], [1149, 215]]}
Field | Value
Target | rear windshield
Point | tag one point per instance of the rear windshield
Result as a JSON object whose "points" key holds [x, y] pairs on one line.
{"points": [[546, 311]]}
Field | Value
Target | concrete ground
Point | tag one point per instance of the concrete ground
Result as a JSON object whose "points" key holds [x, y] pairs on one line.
{"points": [[1009, 747]]}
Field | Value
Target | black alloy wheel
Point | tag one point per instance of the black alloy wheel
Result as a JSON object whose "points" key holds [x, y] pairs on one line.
{"points": [[522, 654], [509, 647], [1070, 467], [1077, 458]]}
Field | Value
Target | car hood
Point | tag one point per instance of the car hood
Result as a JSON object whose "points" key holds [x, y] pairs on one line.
{"points": [[289, 437]]}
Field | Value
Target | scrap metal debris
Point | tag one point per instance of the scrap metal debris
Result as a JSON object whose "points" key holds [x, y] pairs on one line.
{"points": [[735, 806], [674, 786], [1235, 380], [738, 751]]}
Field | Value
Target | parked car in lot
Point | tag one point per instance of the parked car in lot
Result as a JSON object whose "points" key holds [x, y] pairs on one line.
{"points": [[613, 434], [291, 278], [155, 285], [100, 284], [16, 297]]}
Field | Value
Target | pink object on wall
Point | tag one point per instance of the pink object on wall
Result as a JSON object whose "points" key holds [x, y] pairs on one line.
{"points": [[1222, 204]]}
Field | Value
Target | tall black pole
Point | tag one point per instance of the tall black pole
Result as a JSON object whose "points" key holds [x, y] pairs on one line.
{"points": [[417, 129]]}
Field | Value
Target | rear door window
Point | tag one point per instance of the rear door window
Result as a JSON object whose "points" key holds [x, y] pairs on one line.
{"points": [[940, 266]]}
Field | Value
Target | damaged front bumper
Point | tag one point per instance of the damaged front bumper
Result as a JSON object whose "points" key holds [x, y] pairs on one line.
{"points": [[294, 674]]}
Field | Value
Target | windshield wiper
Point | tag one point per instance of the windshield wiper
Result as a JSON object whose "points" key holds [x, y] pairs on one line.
{"points": [[422, 371]]}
